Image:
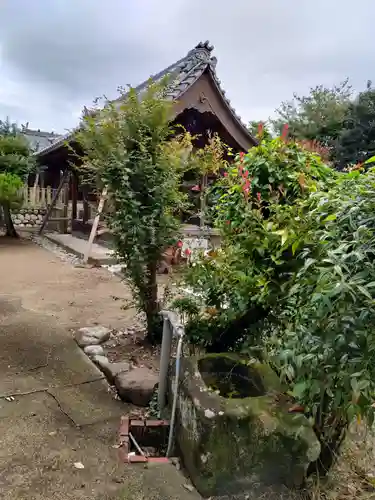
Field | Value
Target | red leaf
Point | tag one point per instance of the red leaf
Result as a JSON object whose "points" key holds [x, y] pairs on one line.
{"points": [[296, 409], [284, 133]]}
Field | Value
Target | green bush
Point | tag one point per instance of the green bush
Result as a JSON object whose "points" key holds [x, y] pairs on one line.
{"points": [[15, 162], [294, 283], [257, 201], [324, 341], [10, 185]]}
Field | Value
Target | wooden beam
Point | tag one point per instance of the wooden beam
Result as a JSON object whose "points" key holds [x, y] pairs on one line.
{"points": [[63, 180], [95, 226]]}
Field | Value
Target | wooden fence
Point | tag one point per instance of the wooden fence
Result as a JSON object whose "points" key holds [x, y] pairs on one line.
{"points": [[37, 197]]}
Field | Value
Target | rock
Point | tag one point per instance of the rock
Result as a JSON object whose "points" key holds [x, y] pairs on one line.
{"points": [[111, 370], [33, 217], [92, 335], [17, 222], [100, 360], [176, 462], [137, 385], [92, 350], [27, 217], [253, 439]]}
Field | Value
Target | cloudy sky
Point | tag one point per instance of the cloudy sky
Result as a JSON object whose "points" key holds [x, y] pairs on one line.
{"points": [[58, 55]]}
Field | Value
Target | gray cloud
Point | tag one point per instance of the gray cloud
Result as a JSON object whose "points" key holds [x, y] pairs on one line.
{"points": [[57, 56]]}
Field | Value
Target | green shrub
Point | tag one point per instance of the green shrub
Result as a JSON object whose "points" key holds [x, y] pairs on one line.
{"points": [[257, 201]]}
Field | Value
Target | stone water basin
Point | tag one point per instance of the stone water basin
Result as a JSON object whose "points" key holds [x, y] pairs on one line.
{"points": [[234, 430]]}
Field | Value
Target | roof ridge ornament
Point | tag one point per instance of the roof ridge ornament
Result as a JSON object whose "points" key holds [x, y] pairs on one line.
{"points": [[213, 62], [205, 45], [202, 51]]}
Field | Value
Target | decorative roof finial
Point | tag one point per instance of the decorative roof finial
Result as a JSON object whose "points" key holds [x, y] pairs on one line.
{"points": [[205, 45]]}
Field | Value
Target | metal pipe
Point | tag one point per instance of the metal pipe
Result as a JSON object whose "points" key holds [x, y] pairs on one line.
{"points": [[136, 444], [175, 395], [165, 355]]}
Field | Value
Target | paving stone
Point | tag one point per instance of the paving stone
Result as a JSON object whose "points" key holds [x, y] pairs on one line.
{"points": [[136, 386]]}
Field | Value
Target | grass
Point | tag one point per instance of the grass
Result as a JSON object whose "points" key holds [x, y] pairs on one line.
{"points": [[353, 476]]}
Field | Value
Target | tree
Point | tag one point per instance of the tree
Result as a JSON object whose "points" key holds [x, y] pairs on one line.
{"points": [[319, 116], [356, 142], [15, 163], [133, 149]]}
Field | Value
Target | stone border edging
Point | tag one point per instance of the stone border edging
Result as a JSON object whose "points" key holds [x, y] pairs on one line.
{"points": [[133, 384]]}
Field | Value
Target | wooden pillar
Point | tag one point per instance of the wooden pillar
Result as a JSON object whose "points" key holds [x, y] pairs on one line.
{"points": [[64, 221], [74, 184], [63, 180], [85, 192], [202, 204]]}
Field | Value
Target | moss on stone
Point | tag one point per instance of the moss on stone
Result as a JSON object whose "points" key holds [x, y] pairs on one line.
{"points": [[231, 443]]}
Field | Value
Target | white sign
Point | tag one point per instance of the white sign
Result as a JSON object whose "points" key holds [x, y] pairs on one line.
{"points": [[194, 244]]}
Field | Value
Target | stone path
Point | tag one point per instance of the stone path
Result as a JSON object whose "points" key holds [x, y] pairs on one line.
{"points": [[55, 408], [78, 246]]}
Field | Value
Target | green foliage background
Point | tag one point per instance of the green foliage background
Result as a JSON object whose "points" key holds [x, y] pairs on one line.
{"points": [[15, 163]]}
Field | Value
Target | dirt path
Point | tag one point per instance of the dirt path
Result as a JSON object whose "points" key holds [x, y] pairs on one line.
{"points": [[73, 296], [55, 408]]}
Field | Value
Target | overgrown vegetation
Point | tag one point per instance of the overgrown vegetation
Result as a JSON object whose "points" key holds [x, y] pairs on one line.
{"points": [[132, 149], [15, 163], [294, 282], [254, 210]]}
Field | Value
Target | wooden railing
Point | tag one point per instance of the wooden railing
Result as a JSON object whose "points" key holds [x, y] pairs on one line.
{"points": [[37, 197]]}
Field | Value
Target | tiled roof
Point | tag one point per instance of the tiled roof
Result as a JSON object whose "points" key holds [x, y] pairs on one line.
{"points": [[183, 73], [39, 140]]}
